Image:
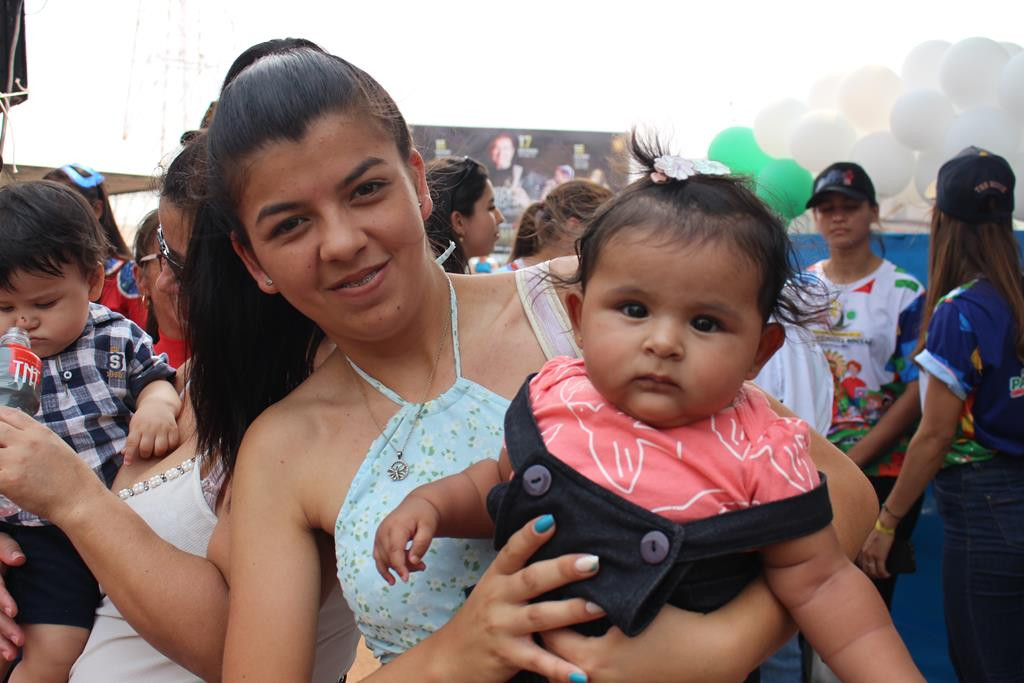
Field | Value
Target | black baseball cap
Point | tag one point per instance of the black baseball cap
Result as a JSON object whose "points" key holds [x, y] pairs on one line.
{"points": [[976, 186], [844, 177]]}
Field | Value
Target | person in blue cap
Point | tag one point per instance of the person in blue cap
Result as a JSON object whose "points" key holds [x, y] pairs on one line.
{"points": [[971, 436]]}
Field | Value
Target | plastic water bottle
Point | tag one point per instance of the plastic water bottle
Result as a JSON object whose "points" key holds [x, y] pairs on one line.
{"points": [[21, 378]]}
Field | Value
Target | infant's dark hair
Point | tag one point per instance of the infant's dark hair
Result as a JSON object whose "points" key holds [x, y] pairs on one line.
{"points": [[44, 226], [703, 208]]}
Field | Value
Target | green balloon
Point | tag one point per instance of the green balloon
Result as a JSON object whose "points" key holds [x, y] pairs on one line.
{"points": [[785, 186], [736, 148]]}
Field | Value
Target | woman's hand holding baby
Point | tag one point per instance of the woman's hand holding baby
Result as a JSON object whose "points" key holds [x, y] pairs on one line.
{"points": [[11, 635], [414, 519], [493, 631]]}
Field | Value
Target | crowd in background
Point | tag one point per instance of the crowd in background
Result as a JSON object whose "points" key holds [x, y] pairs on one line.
{"points": [[313, 283]]}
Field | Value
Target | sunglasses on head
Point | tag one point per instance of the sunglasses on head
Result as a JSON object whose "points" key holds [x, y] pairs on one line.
{"points": [[174, 260], [83, 176]]}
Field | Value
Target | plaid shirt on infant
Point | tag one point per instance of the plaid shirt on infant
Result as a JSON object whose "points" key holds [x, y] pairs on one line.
{"points": [[90, 388]]}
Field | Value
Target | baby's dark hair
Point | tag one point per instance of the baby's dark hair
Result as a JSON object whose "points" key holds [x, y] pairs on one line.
{"points": [[702, 208], [44, 226]]}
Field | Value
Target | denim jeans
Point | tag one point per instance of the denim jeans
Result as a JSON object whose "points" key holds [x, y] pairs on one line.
{"points": [[982, 509], [786, 665]]}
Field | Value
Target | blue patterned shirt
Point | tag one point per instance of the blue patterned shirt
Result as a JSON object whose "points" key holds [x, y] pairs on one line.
{"points": [[971, 348]]}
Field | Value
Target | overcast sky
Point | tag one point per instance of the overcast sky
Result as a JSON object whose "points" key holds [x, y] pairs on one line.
{"points": [[113, 83]]}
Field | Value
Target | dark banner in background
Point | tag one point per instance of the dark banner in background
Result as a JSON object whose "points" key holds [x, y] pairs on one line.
{"points": [[525, 164]]}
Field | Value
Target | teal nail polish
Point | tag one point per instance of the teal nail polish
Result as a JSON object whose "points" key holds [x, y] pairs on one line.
{"points": [[577, 677], [540, 526]]}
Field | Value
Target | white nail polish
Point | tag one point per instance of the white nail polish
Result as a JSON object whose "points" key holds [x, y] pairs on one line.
{"points": [[587, 564]]}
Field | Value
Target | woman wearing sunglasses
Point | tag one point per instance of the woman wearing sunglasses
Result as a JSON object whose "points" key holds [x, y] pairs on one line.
{"points": [[162, 322]]}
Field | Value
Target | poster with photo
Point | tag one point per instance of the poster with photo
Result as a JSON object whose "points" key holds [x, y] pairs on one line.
{"points": [[525, 164]]}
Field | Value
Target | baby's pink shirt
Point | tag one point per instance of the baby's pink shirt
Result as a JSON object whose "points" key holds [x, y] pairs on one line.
{"points": [[743, 455]]}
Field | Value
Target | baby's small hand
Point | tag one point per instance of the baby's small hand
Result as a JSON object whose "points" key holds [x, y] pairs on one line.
{"points": [[152, 432], [415, 518]]}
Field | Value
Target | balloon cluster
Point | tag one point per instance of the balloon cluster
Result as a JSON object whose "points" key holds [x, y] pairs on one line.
{"points": [[899, 127]]}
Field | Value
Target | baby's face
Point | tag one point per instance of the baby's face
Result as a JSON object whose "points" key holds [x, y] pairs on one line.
{"points": [[53, 310], [669, 333]]}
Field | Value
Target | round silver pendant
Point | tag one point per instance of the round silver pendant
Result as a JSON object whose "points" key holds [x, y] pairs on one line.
{"points": [[398, 470]]}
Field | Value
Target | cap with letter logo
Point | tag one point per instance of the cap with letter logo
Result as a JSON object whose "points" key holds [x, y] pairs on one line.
{"points": [[976, 186]]}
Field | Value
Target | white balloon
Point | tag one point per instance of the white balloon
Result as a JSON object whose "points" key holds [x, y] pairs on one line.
{"points": [[986, 127], [821, 137], [926, 170], [774, 124], [906, 199], [1010, 88], [921, 66], [824, 93], [920, 118], [970, 69], [867, 94], [889, 164]]}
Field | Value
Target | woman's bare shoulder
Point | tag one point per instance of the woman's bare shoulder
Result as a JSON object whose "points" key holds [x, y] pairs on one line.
{"points": [[487, 304], [302, 449], [498, 343], [499, 293], [477, 290], [302, 421]]}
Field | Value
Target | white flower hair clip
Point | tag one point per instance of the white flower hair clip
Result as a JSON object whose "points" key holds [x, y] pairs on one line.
{"points": [[677, 168]]}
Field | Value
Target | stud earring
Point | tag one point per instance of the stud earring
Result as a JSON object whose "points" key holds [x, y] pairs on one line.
{"points": [[268, 281]]}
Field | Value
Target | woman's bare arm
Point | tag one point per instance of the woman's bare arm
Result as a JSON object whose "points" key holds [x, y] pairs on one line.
{"points": [[275, 564], [175, 600], [924, 459]]}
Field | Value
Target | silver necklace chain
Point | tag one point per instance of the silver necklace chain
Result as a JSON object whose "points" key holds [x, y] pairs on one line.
{"points": [[399, 469]]}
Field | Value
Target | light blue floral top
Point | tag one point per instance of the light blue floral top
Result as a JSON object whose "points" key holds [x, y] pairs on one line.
{"points": [[461, 426]]}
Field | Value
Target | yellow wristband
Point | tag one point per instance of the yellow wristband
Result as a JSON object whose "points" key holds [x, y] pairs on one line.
{"points": [[882, 529]]}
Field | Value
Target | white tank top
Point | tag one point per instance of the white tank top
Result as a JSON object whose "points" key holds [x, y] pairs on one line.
{"points": [[180, 514]]}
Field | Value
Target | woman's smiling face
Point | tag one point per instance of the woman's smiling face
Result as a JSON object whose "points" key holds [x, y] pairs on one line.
{"points": [[334, 223]]}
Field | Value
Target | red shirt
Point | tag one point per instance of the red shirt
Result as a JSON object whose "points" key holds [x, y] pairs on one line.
{"points": [[121, 292], [176, 350]]}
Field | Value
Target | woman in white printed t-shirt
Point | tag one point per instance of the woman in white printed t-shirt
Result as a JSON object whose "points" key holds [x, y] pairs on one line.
{"points": [[871, 331]]}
